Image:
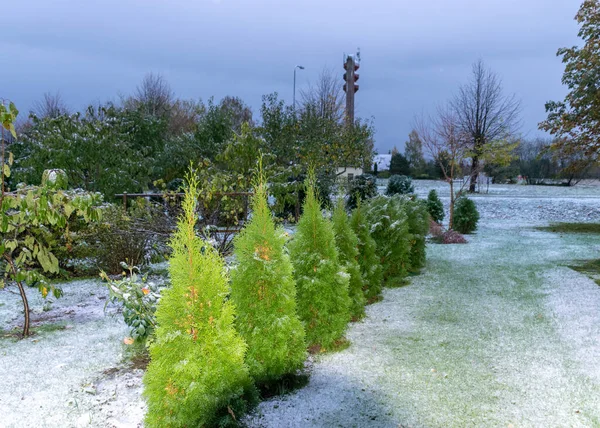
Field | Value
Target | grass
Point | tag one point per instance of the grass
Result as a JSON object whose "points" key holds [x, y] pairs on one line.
{"points": [[587, 228], [590, 268], [16, 333], [477, 340]]}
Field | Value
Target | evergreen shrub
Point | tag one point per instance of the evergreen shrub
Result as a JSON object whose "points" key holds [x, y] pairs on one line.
{"points": [[361, 187], [466, 216], [435, 206], [390, 230], [368, 260], [263, 290], [197, 371], [347, 245], [399, 185], [322, 283], [418, 227]]}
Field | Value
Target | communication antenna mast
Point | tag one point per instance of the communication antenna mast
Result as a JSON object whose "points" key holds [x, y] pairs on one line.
{"points": [[351, 65]]}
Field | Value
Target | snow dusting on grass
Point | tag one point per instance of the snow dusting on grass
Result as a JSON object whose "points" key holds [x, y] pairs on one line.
{"points": [[497, 332], [488, 335]]}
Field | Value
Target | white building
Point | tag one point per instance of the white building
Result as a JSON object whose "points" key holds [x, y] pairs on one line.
{"points": [[349, 172], [383, 162]]}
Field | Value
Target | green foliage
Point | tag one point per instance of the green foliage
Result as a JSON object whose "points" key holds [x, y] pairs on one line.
{"points": [[399, 185], [575, 121], [390, 230], [368, 260], [197, 359], [107, 149], [139, 299], [322, 283], [55, 178], [34, 219], [348, 250], [435, 206], [34, 223], [263, 290], [418, 226], [413, 151], [466, 216], [362, 187], [399, 165]]}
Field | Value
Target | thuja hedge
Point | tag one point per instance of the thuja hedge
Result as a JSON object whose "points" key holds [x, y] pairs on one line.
{"points": [[399, 225], [347, 245], [197, 365], [368, 259], [322, 282], [263, 290]]}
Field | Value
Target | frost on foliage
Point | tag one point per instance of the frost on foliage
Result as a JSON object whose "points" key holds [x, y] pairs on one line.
{"points": [[391, 233], [347, 245], [323, 300], [368, 260], [263, 290], [197, 359]]}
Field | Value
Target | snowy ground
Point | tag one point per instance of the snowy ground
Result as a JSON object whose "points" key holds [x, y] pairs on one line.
{"points": [[494, 333]]}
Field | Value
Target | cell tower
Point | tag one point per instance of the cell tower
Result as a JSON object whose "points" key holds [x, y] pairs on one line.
{"points": [[351, 66]]}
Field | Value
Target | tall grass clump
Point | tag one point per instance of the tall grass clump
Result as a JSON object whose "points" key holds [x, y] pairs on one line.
{"points": [[368, 260], [263, 290], [322, 283], [390, 230], [197, 371], [347, 245]]}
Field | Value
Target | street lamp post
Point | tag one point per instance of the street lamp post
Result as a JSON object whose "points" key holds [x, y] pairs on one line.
{"points": [[295, 68]]}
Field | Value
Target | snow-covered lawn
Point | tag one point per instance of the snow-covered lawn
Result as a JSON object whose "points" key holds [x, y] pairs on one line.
{"points": [[493, 333]]}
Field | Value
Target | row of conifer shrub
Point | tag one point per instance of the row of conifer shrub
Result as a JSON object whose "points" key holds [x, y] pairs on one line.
{"points": [[216, 341]]}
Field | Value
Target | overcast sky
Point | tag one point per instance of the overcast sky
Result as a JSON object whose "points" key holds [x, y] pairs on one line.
{"points": [[414, 53]]}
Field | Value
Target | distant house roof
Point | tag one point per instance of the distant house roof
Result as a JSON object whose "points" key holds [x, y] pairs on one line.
{"points": [[383, 162]]}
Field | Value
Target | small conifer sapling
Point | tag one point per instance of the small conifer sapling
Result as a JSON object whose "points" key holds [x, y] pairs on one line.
{"points": [[263, 290], [322, 283], [347, 245], [197, 359], [368, 260]]}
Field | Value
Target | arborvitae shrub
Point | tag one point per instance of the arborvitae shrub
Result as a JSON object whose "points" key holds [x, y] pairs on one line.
{"points": [[361, 187], [389, 228], [197, 365], [466, 216], [399, 185], [264, 293], [347, 245], [435, 206], [322, 283], [368, 260], [418, 226]]}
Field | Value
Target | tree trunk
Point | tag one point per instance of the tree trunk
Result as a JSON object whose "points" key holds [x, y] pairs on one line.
{"points": [[474, 174], [25, 308], [451, 221]]}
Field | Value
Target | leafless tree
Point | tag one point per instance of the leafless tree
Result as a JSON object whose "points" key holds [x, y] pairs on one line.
{"points": [[154, 94], [444, 140], [50, 106], [184, 116], [484, 114], [326, 95]]}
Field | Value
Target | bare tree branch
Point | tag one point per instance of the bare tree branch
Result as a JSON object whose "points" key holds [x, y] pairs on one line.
{"points": [[484, 114]]}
